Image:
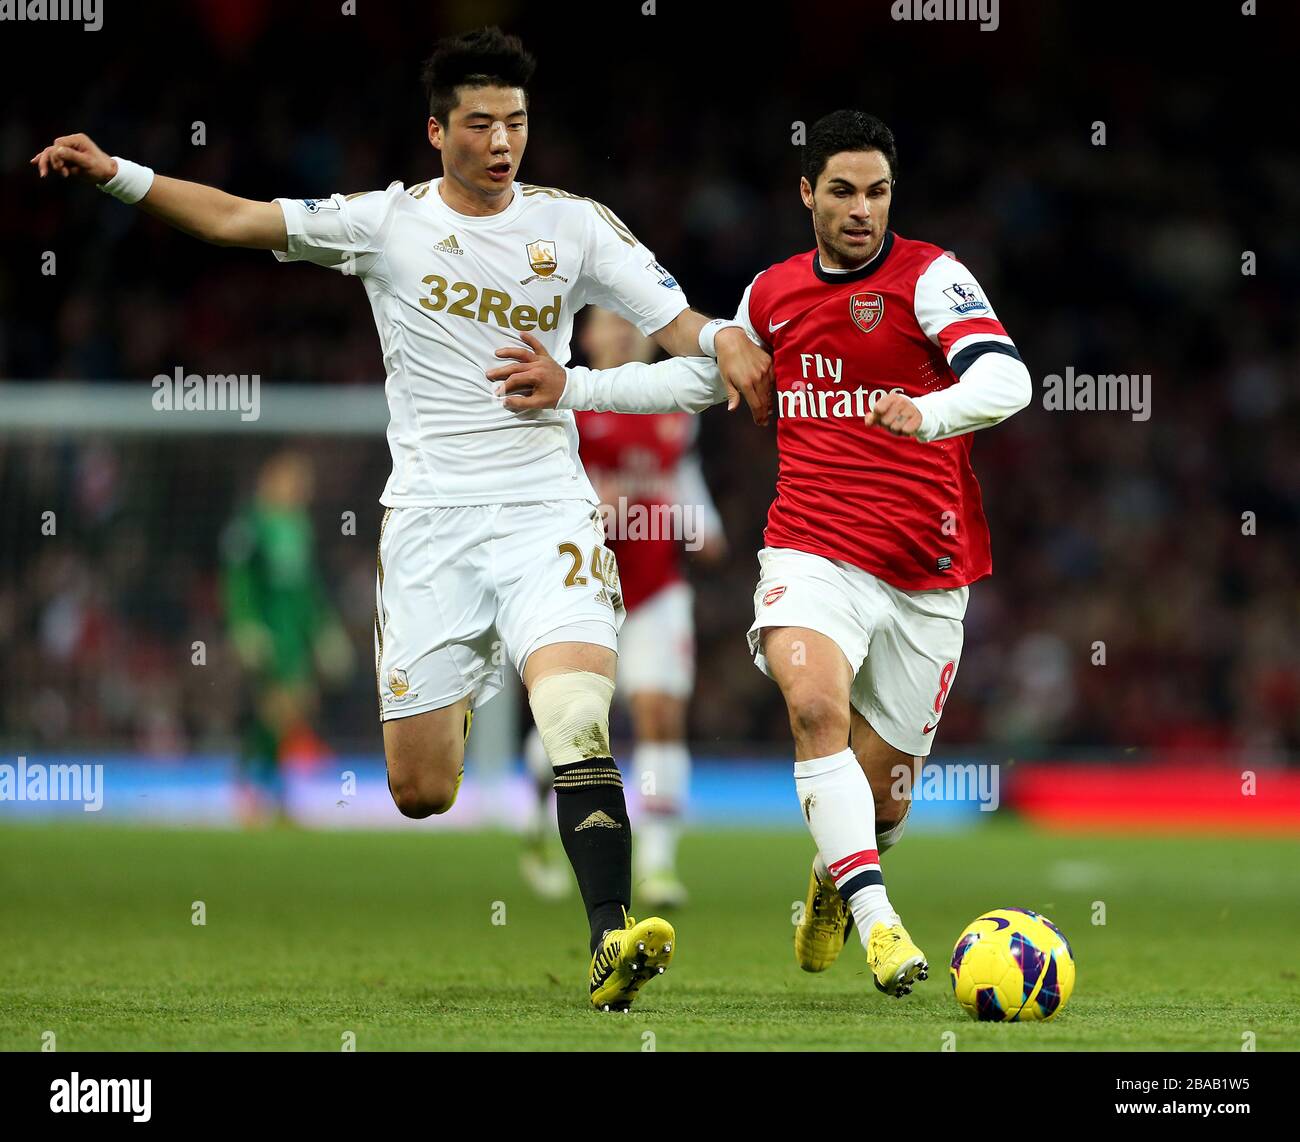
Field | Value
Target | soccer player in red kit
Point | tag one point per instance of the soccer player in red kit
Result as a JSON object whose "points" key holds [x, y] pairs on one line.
{"points": [[656, 507], [886, 355]]}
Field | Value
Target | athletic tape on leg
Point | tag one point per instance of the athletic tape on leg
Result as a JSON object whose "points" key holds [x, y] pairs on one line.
{"points": [[572, 713]]}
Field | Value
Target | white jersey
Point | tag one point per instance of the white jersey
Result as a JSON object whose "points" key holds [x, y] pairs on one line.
{"points": [[448, 290]]}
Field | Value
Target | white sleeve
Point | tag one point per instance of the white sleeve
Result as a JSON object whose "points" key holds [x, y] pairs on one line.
{"points": [[342, 232], [992, 388], [951, 307], [742, 315], [691, 489], [993, 382], [680, 384], [621, 274]]}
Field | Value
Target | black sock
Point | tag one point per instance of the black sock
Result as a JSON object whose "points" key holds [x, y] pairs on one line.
{"points": [[597, 839]]}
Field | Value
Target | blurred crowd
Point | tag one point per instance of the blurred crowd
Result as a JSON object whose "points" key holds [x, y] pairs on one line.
{"points": [[1144, 594]]}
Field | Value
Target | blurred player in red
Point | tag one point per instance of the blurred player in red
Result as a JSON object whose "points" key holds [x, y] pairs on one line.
{"points": [[656, 506], [887, 356]]}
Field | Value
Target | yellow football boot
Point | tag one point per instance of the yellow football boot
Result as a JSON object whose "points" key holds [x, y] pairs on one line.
{"points": [[821, 931], [626, 960], [894, 960]]}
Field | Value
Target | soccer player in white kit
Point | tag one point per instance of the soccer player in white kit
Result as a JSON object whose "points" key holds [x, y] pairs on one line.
{"points": [[491, 543]]}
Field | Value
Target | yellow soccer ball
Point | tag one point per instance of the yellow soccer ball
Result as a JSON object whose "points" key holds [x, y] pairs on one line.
{"points": [[1012, 966]]}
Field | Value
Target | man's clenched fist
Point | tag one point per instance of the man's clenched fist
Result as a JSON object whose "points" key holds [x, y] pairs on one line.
{"points": [[897, 414]]}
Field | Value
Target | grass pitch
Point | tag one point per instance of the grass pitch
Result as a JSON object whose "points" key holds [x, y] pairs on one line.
{"points": [[310, 935]]}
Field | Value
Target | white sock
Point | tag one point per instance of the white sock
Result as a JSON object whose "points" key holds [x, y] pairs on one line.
{"points": [[838, 805], [663, 773]]}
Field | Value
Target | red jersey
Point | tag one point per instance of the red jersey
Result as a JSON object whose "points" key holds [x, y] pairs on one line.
{"points": [[910, 321], [635, 460]]}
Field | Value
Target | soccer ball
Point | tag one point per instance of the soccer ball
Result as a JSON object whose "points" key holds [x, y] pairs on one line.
{"points": [[1012, 966]]}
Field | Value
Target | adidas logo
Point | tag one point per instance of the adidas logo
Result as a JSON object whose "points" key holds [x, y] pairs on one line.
{"points": [[598, 820], [449, 245]]}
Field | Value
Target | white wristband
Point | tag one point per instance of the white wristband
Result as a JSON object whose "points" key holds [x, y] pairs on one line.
{"points": [[131, 183], [708, 335]]}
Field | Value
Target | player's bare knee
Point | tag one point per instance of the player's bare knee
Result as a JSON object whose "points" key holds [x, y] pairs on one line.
{"points": [[890, 807], [887, 817], [814, 715], [408, 798], [890, 830], [423, 797]]}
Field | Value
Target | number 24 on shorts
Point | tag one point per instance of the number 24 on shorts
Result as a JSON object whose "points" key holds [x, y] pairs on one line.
{"points": [[604, 567]]}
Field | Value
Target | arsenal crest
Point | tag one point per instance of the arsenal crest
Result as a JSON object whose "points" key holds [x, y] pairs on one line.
{"points": [[866, 310]]}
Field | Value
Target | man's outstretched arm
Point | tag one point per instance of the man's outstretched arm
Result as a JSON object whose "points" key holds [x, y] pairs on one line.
{"points": [[533, 379], [203, 211], [745, 366]]}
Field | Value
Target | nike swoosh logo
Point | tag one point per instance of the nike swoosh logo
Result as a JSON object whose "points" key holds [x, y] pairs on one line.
{"points": [[928, 728], [773, 326]]}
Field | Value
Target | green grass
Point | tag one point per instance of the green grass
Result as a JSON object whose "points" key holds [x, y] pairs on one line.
{"points": [[390, 936]]}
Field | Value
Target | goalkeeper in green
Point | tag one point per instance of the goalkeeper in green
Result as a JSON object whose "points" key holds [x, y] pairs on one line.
{"points": [[283, 629]]}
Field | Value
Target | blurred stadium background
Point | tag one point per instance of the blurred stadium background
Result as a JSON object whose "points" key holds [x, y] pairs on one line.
{"points": [[1123, 258]]}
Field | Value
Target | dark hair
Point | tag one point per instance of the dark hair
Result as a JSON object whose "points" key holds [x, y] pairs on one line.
{"points": [[846, 131], [486, 57]]}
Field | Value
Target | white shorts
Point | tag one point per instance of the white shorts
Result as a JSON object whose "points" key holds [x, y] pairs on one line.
{"points": [[656, 647], [459, 590], [904, 646]]}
